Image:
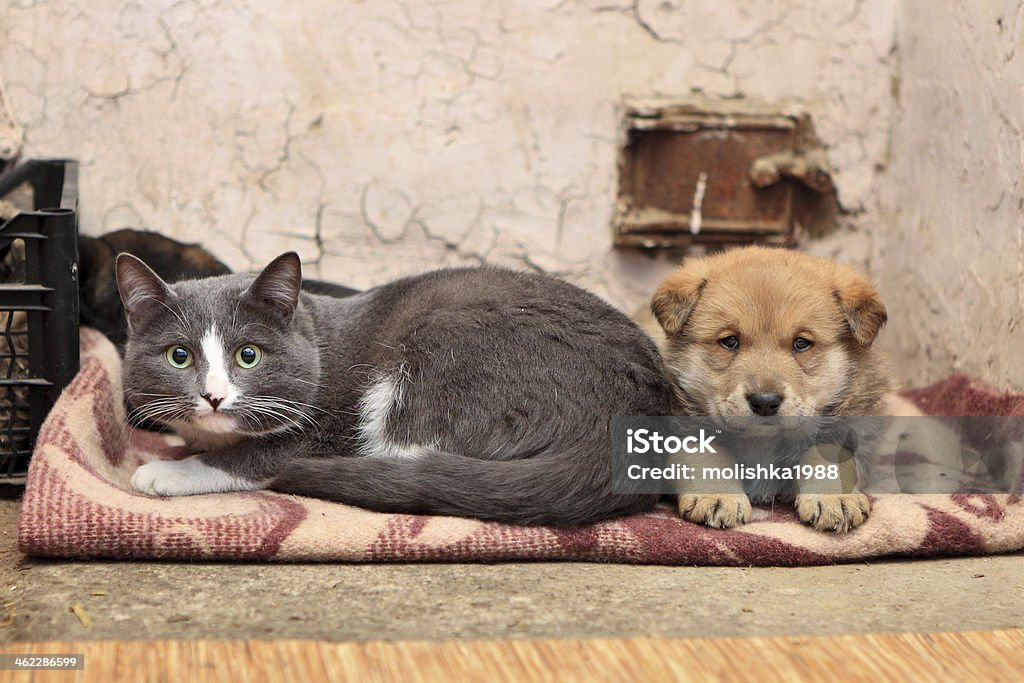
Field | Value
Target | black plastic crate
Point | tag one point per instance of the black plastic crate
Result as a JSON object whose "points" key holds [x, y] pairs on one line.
{"points": [[38, 305]]}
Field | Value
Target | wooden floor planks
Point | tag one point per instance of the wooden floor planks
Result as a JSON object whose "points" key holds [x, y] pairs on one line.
{"points": [[968, 656]]}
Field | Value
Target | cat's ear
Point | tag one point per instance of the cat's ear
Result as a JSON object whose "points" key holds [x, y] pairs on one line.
{"points": [[142, 291], [278, 285]]}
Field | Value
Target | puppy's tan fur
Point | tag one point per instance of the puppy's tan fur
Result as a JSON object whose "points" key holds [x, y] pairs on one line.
{"points": [[767, 298]]}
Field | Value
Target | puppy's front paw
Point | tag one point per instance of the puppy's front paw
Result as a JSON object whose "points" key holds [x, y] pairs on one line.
{"points": [[723, 511], [839, 513]]}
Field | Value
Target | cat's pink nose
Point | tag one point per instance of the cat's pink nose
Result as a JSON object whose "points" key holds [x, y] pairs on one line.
{"points": [[212, 400]]}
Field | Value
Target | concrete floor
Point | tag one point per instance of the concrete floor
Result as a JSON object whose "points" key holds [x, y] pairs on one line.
{"points": [[142, 600]]}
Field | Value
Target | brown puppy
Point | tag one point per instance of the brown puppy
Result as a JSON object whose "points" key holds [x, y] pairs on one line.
{"points": [[760, 332]]}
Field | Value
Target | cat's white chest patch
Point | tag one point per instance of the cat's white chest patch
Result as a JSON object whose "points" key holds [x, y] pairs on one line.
{"points": [[217, 383]]}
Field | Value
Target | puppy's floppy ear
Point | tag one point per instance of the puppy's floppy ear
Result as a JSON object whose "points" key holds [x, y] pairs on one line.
{"points": [[278, 285], [142, 291], [677, 295], [859, 302]]}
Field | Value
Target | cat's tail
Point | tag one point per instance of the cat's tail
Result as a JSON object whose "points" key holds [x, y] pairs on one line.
{"points": [[564, 490]]}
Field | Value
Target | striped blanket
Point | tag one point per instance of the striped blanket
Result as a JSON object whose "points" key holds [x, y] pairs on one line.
{"points": [[78, 503]]}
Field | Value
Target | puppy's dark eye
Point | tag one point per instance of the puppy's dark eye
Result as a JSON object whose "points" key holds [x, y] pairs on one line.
{"points": [[800, 344], [731, 342]]}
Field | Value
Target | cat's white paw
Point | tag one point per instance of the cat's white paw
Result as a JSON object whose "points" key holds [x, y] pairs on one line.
{"points": [[186, 477]]}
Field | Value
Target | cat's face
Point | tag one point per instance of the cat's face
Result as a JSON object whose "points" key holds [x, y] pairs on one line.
{"points": [[231, 355]]}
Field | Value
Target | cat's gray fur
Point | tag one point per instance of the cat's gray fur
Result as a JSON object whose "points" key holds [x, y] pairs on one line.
{"points": [[475, 392]]}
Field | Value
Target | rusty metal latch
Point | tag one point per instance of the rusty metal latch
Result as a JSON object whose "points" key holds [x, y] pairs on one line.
{"points": [[809, 167], [720, 171]]}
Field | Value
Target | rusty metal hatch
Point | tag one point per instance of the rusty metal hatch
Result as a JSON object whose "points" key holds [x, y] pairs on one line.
{"points": [[728, 171]]}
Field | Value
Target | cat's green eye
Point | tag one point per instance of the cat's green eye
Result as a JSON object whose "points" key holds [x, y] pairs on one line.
{"points": [[248, 356], [178, 356]]}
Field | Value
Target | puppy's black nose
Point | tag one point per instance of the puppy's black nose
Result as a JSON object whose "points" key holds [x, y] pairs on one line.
{"points": [[764, 403], [214, 402]]}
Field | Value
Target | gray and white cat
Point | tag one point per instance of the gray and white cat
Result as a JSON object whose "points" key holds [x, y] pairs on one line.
{"points": [[477, 392]]}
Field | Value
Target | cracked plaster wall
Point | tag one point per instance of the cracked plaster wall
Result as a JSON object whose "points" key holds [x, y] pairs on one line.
{"points": [[383, 138], [954, 204]]}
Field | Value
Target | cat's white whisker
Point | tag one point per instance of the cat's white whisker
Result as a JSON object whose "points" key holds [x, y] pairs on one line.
{"points": [[164, 413], [280, 407], [286, 423], [177, 315], [234, 313], [306, 381], [280, 400], [286, 414], [249, 422], [361, 365], [138, 414], [245, 327]]}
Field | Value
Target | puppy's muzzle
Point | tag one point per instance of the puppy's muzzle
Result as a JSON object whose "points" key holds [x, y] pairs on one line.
{"points": [[764, 404]]}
